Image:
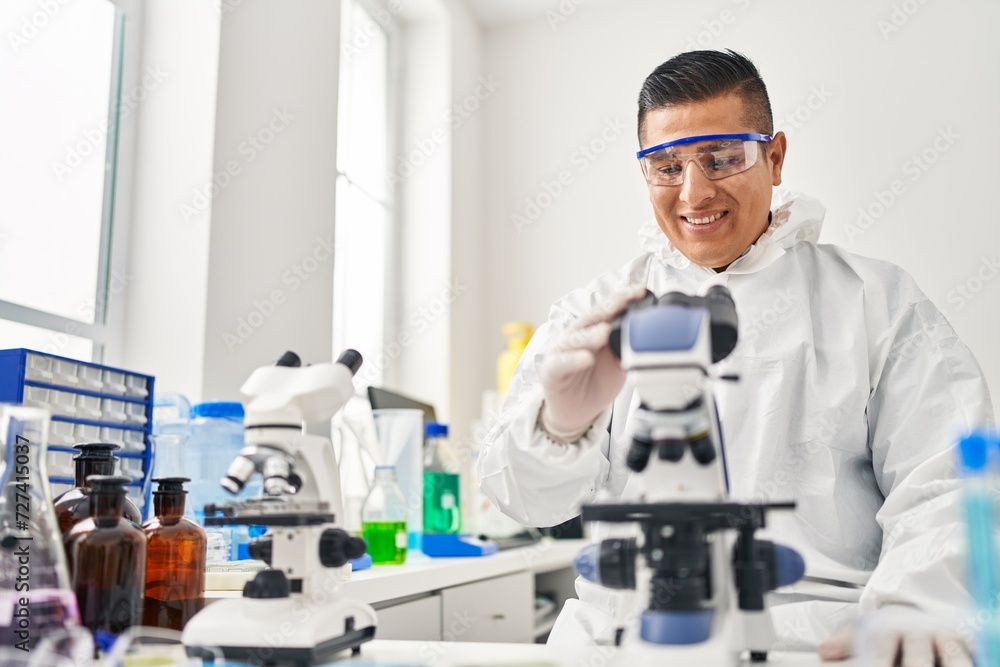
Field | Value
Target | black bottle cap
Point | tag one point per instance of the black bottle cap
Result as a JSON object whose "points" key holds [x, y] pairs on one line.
{"points": [[107, 483], [351, 359], [171, 485], [95, 451]]}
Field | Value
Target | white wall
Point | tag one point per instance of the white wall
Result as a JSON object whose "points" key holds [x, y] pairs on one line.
{"points": [[235, 168], [165, 295], [877, 99], [270, 280]]}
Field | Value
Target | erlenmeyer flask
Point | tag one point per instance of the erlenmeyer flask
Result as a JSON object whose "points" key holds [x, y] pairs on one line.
{"points": [[36, 599]]}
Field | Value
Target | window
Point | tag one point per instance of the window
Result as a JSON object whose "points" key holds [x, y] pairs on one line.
{"points": [[60, 73], [364, 203]]}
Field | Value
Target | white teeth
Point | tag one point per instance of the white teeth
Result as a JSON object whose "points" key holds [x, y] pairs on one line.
{"points": [[704, 221]]}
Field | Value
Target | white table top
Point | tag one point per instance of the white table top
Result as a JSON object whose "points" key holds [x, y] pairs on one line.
{"points": [[421, 574], [458, 654]]}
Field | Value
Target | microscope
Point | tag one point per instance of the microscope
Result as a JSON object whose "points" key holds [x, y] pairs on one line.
{"points": [[292, 612], [698, 558]]}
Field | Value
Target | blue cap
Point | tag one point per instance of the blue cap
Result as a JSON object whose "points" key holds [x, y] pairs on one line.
{"points": [[435, 429], [973, 451], [218, 409]]}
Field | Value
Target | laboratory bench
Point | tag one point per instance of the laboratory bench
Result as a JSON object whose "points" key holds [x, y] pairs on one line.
{"points": [[478, 599], [461, 654]]}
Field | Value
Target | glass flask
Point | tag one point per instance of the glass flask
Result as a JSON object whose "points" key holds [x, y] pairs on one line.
{"points": [[36, 597], [383, 518], [175, 559], [108, 561], [73, 506]]}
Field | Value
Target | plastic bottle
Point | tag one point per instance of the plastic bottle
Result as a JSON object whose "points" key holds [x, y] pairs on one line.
{"points": [[175, 559], [28, 530], [978, 498], [383, 518], [108, 561], [441, 493], [215, 439], [73, 506], [517, 334]]}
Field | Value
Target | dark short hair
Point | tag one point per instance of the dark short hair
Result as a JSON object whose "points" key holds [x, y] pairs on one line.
{"points": [[697, 76]]}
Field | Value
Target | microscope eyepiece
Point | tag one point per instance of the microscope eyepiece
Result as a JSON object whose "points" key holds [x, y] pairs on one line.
{"points": [[289, 359], [351, 359]]}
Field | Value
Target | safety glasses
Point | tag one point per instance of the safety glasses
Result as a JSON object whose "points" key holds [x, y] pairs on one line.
{"points": [[717, 155]]}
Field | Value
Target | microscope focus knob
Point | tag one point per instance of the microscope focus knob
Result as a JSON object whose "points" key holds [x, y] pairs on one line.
{"points": [[267, 584], [337, 547]]}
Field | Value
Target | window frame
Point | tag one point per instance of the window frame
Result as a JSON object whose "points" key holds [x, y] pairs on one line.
{"points": [[390, 309], [106, 332]]}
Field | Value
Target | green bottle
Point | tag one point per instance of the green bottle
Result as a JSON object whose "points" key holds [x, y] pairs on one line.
{"points": [[383, 518], [442, 490]]}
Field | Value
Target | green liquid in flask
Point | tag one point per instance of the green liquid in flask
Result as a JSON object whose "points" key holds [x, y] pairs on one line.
{"points": [[386, 540]]}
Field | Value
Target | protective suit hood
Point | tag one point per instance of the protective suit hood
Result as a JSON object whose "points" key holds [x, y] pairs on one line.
{"points": [[795, 218]]}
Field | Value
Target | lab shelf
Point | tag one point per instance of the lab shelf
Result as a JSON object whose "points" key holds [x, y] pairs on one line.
{"points": [[89, 403]]}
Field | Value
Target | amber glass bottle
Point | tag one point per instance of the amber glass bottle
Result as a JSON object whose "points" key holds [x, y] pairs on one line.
{"points": [[107, 560], [73, 506], [175, 560]]}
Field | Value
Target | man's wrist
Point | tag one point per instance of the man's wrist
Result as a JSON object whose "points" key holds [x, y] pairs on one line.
{"points": [[558, 434]]}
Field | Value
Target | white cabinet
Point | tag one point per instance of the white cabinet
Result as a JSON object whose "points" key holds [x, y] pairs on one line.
{"points": [[494, 610], [414, 620]]}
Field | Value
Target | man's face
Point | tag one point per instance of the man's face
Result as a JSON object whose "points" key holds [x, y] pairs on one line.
{"points": [[740, 203]]}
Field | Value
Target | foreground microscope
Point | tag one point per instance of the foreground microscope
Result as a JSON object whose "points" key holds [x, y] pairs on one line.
{"points": [[705, 572], [293, 612]]}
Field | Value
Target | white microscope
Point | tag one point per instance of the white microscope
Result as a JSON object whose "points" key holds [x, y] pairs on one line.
{"points": [[293, 612], [705, 571]]}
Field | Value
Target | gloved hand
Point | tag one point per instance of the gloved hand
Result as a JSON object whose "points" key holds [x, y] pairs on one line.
{"points": [[580, 376], [897, 632]]}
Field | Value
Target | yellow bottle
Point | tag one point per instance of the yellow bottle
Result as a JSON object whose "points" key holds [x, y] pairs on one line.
{"points": [[517, 334]]}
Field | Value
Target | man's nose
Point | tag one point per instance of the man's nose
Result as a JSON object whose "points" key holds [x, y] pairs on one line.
{"points": [[696, 187]]}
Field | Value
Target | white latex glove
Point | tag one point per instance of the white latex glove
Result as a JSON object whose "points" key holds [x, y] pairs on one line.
{"points": [[898, 633], [580, 376]]}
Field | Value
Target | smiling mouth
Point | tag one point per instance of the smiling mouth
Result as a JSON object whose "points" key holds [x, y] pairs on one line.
{"points": [[705, 219]]}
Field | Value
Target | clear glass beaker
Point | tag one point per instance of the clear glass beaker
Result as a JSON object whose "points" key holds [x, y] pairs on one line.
{"points": [[383, 518], [36, 599], [401, 441]]}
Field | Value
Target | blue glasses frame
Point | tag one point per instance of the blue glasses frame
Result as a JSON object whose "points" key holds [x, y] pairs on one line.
{"points": [[746, 136]]}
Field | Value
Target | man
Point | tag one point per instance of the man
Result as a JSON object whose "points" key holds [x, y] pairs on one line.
{"points": [[853, 386]]}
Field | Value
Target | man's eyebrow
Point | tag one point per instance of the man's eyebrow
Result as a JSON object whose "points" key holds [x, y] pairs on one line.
{"points": [[685, 149]]}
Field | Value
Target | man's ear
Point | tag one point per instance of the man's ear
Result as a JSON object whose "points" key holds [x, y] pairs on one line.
{"points": [[776, 156]]}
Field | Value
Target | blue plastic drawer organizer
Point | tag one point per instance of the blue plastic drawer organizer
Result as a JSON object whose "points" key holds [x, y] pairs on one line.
{"points": [[89, 403]]}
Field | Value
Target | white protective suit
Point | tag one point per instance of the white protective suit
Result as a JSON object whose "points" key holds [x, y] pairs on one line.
{"points": [[853, 389]]}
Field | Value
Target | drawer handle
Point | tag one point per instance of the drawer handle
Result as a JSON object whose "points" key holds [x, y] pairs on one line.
{"points": [[499, 617]]}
